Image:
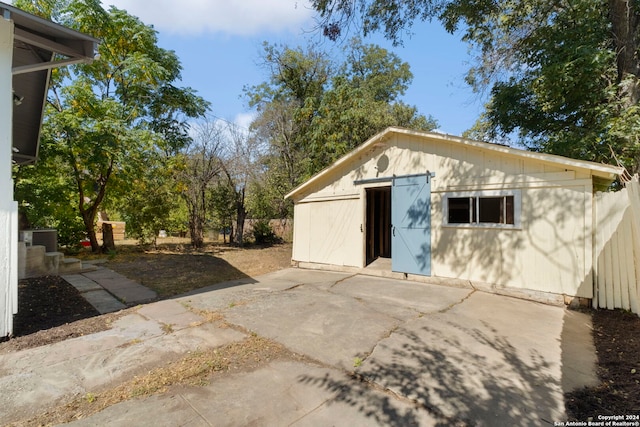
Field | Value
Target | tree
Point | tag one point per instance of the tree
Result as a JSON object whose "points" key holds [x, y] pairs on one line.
{"points": [[362, 101], [563, 75], [223, 207], [202, 163], [47, 198], [107, 119], [238, 172], [311, 111], [286, 104], [147, 202]]}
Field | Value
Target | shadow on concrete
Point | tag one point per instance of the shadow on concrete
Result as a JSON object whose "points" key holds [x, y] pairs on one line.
{"points": [[467, 376]]}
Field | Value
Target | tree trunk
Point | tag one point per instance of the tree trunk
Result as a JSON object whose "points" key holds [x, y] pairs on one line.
{"points": [[108, 244], [88, 218], [624, 24], [196, 231], [241, 213], [624, 18]]}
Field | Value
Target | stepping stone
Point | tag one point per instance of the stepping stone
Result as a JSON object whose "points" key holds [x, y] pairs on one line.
{"points": [[103, 301]]}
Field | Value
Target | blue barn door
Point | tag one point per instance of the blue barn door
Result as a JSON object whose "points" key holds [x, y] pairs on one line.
{"points": [[411, 224]]}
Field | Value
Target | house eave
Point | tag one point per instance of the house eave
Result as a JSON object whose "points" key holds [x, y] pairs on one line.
{"points": [[39, 46]]}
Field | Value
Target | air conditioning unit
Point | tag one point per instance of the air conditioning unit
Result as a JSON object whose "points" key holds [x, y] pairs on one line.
{"points": [[45, 237]]}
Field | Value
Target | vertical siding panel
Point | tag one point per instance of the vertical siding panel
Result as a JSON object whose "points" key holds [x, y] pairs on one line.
{"points": [[611, 272], [633, 188], [609, 232], [598, 262], [8, 208], [617, 248], [624, 250], [616, 263], [631, 265], [587, 220], [301, 238], [601, 282], [6, 315], [600, 279], [13, 279], [9, 257]]}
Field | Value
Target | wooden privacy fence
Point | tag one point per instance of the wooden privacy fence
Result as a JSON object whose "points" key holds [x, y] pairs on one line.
{"points": [[617, 248]]}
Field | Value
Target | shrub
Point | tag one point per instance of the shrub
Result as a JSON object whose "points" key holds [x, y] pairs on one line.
{"points": [[263, 233]]}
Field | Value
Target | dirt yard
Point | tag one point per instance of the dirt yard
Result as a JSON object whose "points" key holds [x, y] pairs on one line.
{"points": [[173, 268], [51, 310]]}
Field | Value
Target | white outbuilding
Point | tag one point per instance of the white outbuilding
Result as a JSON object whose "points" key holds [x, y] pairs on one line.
{"points": [[424, 204]]}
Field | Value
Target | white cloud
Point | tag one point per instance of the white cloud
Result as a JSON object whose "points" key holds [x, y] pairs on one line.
{"points": [[230, 17], [244, 120]]}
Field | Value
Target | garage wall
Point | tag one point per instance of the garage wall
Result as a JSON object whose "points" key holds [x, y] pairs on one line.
{"points": [[551, 251], [328, 232]]}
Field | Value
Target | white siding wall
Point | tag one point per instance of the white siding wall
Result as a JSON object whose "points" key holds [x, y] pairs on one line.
{"points": [[551, 252], [8, 208], [328, 232]]}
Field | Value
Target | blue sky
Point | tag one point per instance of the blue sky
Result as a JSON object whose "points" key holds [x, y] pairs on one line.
{"points": [[219, 41]]}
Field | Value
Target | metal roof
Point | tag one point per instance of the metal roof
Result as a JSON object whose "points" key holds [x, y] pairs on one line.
{"points": [[39, 45]]}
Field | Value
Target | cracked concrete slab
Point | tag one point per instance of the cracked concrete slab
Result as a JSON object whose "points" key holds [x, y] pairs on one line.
{"points": [[281, 393], [422, 354], [126, 290], [103, 301], [33, 379], [402, 299], [332, 328], [81, 283], [490, 360], [171, 313]]}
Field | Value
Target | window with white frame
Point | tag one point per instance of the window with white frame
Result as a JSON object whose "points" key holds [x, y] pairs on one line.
{"points": [[483, 208]]}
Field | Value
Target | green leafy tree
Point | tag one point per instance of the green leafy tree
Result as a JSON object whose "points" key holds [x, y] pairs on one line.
{"points": [[311, 111], [362, 101], [286, 105], [563, 76], [53, 197], [265, 196], [223, 207], [106, 119], [147, 202]]}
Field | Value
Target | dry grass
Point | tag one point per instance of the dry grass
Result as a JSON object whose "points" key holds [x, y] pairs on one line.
{"points": [[195, 369], [172, 268]]}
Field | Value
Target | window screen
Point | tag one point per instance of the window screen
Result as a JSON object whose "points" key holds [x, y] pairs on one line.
{"points": [[460, 210], [480, 209]]}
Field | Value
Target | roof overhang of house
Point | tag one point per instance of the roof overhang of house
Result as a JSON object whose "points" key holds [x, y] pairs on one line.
{"points": [[599, 171], [39, 46]]}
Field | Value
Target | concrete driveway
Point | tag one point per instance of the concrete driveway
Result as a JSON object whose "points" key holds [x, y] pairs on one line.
{"points": [[379, 352]]}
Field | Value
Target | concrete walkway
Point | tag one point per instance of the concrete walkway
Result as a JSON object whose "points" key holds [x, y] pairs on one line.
{"points": [[379, 352], [108, 291]]}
